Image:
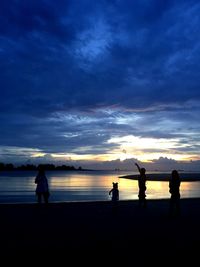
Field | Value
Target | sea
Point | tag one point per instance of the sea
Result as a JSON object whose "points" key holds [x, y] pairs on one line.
{"points": [[76, 186]]}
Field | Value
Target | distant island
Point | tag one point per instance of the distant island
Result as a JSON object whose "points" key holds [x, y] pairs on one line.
{"points": [[32, 167], [185, 176]]}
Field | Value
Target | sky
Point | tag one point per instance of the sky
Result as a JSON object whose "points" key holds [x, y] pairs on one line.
{"points": [[100, 84]]}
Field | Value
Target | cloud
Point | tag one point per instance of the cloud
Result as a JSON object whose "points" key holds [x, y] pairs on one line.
{"points": [[116, 67]]}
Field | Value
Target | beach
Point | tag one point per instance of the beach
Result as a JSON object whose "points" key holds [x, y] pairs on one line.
{"points": [[96, 229]]}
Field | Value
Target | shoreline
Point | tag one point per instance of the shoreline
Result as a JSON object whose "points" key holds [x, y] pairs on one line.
{"points": [[93, 202]]}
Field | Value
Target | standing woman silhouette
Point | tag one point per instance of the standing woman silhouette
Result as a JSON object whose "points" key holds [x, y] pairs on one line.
{"points": [[42, 188], [174, 190], [142, 186]]}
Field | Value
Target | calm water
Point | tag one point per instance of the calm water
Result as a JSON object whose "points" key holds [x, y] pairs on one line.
{"points": [[19, 187]]}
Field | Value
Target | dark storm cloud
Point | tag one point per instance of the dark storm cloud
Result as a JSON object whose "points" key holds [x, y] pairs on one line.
{"points": [[103, 53], [62, 57]]}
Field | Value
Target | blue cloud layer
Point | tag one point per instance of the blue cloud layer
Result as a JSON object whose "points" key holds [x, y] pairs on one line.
{"points": [[77, 58]]}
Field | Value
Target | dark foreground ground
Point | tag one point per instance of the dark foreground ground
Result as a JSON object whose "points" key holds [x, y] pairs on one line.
{"points": [[94, 232]]}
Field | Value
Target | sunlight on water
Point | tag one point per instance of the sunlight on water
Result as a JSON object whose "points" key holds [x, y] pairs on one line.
{"points": [[19, 187]]}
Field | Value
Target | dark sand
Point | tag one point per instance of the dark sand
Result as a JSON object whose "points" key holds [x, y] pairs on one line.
{"points": [[79, 231]]}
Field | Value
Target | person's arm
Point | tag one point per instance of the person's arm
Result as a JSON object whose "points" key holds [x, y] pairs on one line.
{"points": [[138, 167], [170, 186], [36, 179]]}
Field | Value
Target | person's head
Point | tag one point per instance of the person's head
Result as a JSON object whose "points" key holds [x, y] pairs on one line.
{"points": [[175, 174], [115, 185], [142, 170], [41, 169]]}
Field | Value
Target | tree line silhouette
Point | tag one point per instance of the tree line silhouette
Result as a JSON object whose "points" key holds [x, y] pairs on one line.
{"points": [[32, 167]]}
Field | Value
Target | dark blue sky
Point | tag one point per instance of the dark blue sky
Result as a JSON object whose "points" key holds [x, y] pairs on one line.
{"points": [[86, 81]]}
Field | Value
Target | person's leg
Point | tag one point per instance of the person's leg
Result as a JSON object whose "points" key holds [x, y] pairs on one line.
{"points": [[178, 211], [39, 197], [144, 202], [142, 198], [46, 197], [171, 206]]}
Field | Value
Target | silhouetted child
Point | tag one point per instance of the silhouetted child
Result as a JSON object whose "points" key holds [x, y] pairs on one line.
{"points": [[114, 192], [115, 197], [142, 185], [174, 190]]}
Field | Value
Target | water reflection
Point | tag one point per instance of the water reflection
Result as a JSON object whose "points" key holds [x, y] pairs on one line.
{"points": [[190, 189], [84, 186]]}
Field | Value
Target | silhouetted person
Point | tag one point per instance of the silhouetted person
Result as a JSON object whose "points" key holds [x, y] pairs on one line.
{"points": [[142, 185], [42, 188], [114, 192], [115, 196], [174, 189]]}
